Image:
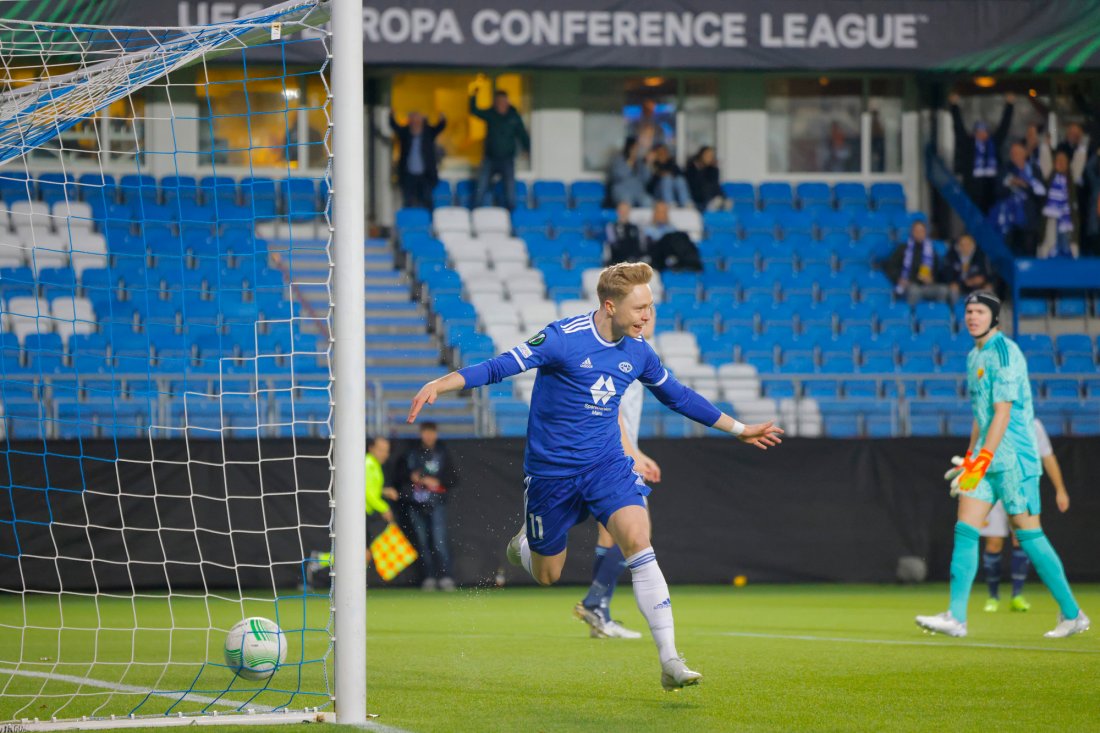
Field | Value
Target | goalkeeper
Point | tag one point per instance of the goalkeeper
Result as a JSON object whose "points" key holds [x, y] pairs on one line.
{"points": [[1003, 464]]}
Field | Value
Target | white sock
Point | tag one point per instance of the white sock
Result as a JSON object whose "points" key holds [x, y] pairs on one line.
{"points": [[525, 555], [651, 593]]}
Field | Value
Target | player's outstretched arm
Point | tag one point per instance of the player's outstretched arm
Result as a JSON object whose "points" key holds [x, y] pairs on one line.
{"points": [[430, 392], [762, 435]]}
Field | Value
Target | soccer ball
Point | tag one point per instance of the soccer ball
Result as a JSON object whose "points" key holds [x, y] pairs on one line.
{"points": [[255, 648]]}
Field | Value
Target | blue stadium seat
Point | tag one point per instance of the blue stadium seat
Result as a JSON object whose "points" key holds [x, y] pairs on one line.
{"points": [[442, 194], [411, 221], [850, 194], [1031, 307], [1074, 343], [587, 192], [549, 192], [772, 192], [531, 221], [833, 222], [1085, 423], [933, 317], [1078, 363], [133, 187], [184, 189], [740, 192], [758, 222], [220, 189], [1071, 306], [568, 221], [1040, 363], [1061, 388], [720, 222], [796, 222], [812, 193], [886, 194], [1035, 343]]}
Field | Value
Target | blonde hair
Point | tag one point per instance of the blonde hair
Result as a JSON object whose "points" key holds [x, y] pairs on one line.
{"points": [[617, 281]]}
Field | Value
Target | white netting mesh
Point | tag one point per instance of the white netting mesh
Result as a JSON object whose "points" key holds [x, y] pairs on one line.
{"points": [[165, 371]]}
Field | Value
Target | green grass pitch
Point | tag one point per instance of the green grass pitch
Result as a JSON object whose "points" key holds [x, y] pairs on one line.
{"points": [[774, 658]]}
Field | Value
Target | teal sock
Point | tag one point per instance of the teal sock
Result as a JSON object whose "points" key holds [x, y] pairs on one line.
{"points": [[964, 566], [1049, 566]]}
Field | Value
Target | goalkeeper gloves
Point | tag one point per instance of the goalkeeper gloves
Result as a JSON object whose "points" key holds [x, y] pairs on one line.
{"points": [[968, 471]]}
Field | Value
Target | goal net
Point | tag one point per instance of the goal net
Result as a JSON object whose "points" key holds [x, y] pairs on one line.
{"points": [[165, 376]]}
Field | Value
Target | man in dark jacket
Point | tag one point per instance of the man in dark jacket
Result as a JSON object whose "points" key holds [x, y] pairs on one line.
{"points": [[505, 129], [425, 474], [417, 166], [969, 268], [917, 270], [978, 156]]}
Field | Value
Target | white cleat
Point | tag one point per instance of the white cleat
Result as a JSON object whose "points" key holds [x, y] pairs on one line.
{"points": [[1069, 627], [615, 630], [942, 623], [675, 675], [512, 552], [593, 619]]}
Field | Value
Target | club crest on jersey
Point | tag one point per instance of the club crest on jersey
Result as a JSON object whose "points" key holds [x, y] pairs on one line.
{"points": [[537, 339], [626, 367], [981, 372], [603, 390]]}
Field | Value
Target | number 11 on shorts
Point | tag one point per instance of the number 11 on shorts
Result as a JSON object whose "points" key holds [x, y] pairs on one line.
{"points": [[534, 526]]}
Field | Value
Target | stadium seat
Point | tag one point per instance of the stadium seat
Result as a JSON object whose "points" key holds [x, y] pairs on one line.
{"points": [[587, 192], [811, 193], [549, 192]]}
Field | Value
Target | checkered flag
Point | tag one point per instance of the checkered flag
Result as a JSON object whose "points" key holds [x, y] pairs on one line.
{"points": [[392, 552]]}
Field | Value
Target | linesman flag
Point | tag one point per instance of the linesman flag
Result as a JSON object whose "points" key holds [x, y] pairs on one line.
{"points": [[392, 552]]}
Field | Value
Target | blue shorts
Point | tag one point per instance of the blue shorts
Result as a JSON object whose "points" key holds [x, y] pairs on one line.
{"points": [[553, 506]]}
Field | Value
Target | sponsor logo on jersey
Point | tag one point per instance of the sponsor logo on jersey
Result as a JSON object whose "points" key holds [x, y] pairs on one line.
{"points": [[626, 367], [603, 390], [537, 339], [586, 364]]}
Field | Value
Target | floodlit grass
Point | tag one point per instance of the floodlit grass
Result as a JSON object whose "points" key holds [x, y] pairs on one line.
{"points": [[797, 658]]}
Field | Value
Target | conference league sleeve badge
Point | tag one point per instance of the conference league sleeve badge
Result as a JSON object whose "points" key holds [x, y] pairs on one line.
{"points": [[537, 339]]}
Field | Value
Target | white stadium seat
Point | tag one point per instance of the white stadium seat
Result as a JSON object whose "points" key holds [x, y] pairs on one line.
{"points": [[451, 219], [687, 220], [491, 220]]}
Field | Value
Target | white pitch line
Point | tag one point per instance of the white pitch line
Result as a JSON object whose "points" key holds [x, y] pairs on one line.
{"points": [[902, 642], [132, 689], [371, 725]]}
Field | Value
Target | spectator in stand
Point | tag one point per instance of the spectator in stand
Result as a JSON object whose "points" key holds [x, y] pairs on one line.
{"points": [[840, 151], [417, 167], [666, 247], [969, 267], [629, 175], [1017, 210], [916, 269], [1032, 140], [1061, 234], [648, 128], [703, 181], [1090, 240], [624, 241], [1076, 146], [977, 156], [426, 474], [667, 182], [504, 135]]}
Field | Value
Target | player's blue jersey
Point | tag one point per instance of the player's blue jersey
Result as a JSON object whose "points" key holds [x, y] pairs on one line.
{"points": [[573, 426], [997, 372], [575, 404]]}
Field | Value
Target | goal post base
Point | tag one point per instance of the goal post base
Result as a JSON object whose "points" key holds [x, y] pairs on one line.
{"points": [[285, 717]]}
